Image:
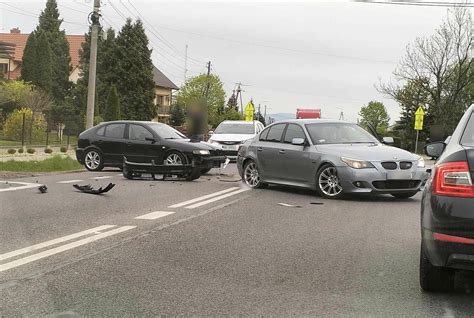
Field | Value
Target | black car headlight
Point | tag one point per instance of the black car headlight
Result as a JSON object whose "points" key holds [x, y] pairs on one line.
{"points": [[201, 152], [357, 164]]}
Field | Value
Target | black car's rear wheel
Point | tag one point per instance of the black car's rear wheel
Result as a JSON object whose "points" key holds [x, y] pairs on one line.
{"points": [[93, 160], [405, 195], [328, 183], [434, 278]]}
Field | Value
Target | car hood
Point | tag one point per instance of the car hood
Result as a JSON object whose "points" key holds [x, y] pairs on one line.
{"points": [[188, 145], [369, 152], [231, 137]]}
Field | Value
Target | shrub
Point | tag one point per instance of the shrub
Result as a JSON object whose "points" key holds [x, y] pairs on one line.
{"points": [[34, 125], [63, 149], [11, 151], [48, 150], [21, 150], [30, 150]]}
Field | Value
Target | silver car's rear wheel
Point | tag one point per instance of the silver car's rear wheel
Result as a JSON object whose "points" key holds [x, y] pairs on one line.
{"points": [[329, 185], [251, 175]]}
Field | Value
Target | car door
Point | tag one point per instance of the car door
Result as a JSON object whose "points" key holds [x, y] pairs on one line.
{"points": [[142, 145], [112, 143], [294, 160], [268, 147]]}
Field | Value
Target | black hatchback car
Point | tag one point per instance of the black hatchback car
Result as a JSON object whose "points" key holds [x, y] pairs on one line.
{"points": [[107, 144], [447, 209]]}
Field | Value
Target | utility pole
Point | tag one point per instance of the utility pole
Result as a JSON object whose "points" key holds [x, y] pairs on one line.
{"points": [[92, 64], [239, 92], [208, 82], [265, 112], [185, 62]]}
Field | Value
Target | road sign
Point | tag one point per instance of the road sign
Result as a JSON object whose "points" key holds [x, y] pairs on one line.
{"points": [[249, 111], [419, 116]]}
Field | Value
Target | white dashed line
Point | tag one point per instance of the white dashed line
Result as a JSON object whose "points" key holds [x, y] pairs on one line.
{"points": [[22, 185], [102, 177], [204, 197], [153, 215], [216, 198], [62, 248], [70, 181]]}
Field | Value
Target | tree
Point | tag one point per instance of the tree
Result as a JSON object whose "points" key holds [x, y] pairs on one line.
{"points": [[49, 25], [44, 67], [177, 115], [258, 116], [134, 72], [375, 114], [442, 67], [29, 71], [112, 106], [194, 89]]}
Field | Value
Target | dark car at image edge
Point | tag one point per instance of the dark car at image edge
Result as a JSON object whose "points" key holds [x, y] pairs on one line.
{"points": [[447, 209], [141, 142]]}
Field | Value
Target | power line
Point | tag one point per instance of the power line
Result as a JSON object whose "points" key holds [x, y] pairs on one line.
{"points": [[72, 9], [420, 3]]}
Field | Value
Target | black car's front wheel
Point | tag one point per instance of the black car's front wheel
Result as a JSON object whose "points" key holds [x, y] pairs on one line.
{"points": [[177, 158], [93, 160], [328, 183], [251, 176]]}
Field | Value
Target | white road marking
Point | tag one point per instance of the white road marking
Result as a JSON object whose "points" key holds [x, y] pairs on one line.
{"points": [[102, 177], [70, 181], [32, 248], [215, 199], [153, 215], [62, 248], [23, 185], [178, 205]]}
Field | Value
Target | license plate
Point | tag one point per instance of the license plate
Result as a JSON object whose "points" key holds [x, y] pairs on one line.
{"points": [[399, 175], [231, 147]]}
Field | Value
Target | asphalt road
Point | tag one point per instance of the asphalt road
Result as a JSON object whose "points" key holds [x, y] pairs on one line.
{"points": [[212, 248]]}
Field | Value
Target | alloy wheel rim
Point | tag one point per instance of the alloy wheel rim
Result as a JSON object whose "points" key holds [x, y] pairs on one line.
{"points": [[252, 178], [173, 159], [329, 182], [92, 160]]}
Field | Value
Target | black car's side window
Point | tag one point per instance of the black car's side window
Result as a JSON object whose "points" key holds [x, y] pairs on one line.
{"points": [[137, 132], [293, 131], [100, 131], [115, 131], [275, 133]]}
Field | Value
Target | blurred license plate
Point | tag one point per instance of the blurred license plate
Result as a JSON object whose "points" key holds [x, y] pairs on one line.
{"points": [[399, 175], [230, 147]]}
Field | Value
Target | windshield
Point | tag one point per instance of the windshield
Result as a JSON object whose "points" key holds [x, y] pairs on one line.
{"points": [[166, 132], [468, 135], [338, 133], [235, 128]]}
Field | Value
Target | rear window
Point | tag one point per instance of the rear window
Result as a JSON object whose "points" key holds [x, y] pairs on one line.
{"points": [[115, 130], [468, 135]]}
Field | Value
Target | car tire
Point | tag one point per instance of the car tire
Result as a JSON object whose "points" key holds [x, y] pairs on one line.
{"points": [[404, 195], [327, 182], [176, 157], [195, 174], [434, 278], [93, 160], [251, 176]]}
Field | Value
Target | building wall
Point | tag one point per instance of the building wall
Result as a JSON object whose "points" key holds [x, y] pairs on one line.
{"points": [[75, 75], [163, 103]]}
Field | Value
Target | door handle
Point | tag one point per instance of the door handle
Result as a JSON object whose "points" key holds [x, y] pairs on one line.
{"points": [[281, 151], [259, 148]]}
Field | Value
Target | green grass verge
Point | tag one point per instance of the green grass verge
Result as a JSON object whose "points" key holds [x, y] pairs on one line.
{"points": [[56, 163], [10, 143]]}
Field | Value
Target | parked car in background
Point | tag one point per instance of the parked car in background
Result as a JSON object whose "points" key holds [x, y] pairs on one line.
{"points": [[447, 209], [106, 145], [332, 157], [230, 134]]}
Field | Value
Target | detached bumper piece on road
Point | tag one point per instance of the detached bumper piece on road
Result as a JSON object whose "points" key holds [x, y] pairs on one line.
{"points": [[89, 189]]}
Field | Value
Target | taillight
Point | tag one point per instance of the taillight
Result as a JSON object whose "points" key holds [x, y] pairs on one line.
{"points": [[453, 179]]}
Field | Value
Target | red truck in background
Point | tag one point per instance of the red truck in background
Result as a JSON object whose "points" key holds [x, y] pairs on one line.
{"points": [[302, 113]]}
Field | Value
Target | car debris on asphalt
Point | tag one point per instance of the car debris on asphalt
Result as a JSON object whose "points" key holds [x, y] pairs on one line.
{"points": [[89, 189], [289, 205], [43, 188]]}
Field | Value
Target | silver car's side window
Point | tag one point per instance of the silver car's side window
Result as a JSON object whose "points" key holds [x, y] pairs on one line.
{"points": [[468, 135], [293, 131], [275, 133]]}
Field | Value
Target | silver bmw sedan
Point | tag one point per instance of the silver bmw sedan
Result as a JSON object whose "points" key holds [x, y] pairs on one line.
{"points": [[332, 157]]}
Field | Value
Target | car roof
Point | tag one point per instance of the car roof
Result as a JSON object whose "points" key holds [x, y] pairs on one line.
{"points": [[312, 121], [131, 122], [243, 122]]}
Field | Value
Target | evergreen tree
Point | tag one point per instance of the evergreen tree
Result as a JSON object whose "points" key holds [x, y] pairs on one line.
{"points": [[49, 24], [44, 69], [134, 72], [29, 72], [177, 115], [112, 107]]}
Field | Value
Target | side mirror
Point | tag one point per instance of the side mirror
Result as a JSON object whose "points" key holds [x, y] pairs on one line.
{"points": [[388, 140], [298, 142], [150, 139], [435, 149]]}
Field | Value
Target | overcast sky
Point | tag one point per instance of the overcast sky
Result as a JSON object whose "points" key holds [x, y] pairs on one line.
{"points": [[322, 54]]}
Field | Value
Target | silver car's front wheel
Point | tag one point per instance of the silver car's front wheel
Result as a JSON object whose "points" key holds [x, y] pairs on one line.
{"points": [[329, 185], [251, 175]]}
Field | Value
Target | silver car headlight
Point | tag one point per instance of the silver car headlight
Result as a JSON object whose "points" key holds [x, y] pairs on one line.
{"points": [[421, 162], [357, 164], [201, 152]]}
